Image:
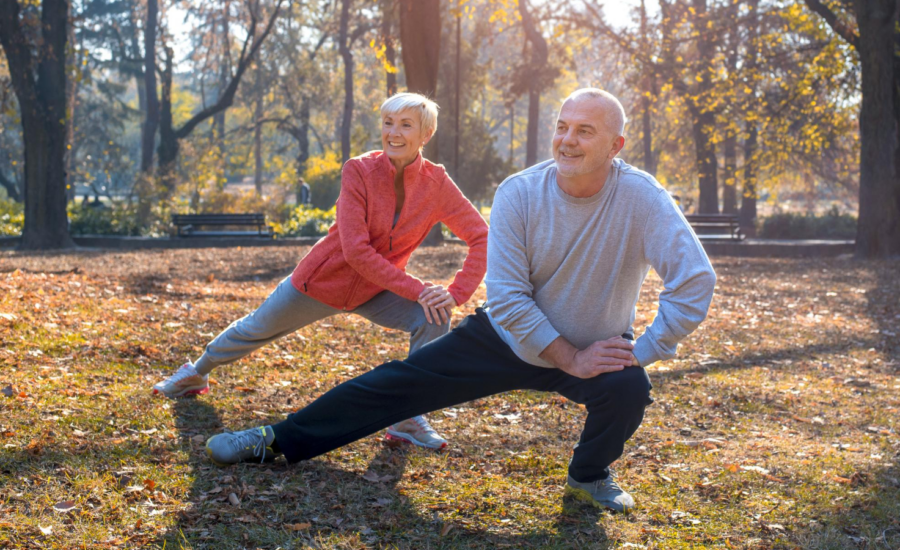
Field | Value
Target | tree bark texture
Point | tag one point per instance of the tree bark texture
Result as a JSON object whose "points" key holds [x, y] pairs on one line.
{"points": [[347, 56], [388, 14], [540, 53], [420, 40], [42, 102], [878, 229], [704, 119], [748, 200], [729, 190], [257, 131], [151, 114]]}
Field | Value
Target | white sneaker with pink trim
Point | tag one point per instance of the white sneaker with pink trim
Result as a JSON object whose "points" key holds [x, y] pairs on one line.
{"points": [[417, 431], [185, 381]]}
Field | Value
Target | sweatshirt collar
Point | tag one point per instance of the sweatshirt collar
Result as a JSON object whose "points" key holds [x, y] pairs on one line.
{"points": [[410, 173]]}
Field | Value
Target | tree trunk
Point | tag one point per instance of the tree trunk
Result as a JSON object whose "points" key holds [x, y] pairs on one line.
{"points": [[703, 124], [387, 36], [748, 201], [168, 140], [878, 229], [729, 190], [704, 119], [347, 56], [71, 105], [12, 190], [539, 56], [151, 115], [257, 133], [420, 39], [42, 104]]}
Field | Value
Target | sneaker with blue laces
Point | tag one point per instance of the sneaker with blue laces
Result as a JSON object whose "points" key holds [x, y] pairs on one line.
{"points": [[250, 445], [601, 493]]}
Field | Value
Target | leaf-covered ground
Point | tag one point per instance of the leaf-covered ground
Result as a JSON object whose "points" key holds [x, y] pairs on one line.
{"points": [[777, 427]]}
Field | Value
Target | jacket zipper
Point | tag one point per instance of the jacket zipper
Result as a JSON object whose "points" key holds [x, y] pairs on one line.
{"points": [[352, 291]]}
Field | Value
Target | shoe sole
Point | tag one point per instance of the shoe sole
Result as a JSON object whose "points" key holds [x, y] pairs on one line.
{"points": [[406, 438], [189, 391], [584, 496]]}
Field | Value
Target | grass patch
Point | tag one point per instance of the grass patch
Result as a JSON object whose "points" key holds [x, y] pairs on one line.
{"points": [[775, 428]]}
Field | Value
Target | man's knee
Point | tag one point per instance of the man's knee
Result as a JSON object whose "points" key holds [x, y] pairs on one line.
{"points": [[628, 388]]}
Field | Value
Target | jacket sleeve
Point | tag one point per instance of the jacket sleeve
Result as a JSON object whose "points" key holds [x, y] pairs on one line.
{"points": [[672, 248], [356, 241], [466, 223], [509, 288]]}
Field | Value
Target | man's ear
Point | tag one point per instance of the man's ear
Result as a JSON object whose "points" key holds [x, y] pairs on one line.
{"points": [[618, 144]]}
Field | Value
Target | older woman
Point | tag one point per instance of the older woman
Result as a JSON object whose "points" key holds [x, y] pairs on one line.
{"points": [[389, 201]]}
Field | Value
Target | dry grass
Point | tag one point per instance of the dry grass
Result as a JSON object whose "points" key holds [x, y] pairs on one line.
{"points": [[776, 428]]}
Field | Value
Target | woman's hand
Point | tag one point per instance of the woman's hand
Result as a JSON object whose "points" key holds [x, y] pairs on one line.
{"points": [[437, 302]]}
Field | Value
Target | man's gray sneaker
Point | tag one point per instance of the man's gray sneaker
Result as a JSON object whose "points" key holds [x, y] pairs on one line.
{"points": [[601, 493], [247, 446]]}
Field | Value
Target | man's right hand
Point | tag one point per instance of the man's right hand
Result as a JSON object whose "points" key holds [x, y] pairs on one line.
{"points": [[598, 358]]}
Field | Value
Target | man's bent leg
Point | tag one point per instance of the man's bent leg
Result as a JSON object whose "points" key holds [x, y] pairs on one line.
{"points": [[615, 402], [469, 363]]}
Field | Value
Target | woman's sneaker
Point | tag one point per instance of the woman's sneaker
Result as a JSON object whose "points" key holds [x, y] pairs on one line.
{"points": [[185, 381], [417, 431]]}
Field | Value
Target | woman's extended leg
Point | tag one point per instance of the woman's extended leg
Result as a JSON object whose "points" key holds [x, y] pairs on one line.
{"points": [[285, 311]]}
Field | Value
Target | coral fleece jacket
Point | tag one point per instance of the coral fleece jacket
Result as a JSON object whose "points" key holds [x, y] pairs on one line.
{"points": [[365, 252]]}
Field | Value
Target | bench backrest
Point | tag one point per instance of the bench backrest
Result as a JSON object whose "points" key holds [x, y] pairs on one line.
{"points": [[219, 219], [731, 219]]}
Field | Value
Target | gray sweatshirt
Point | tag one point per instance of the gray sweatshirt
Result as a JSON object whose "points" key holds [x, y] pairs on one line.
{"points": [[561, 265]]}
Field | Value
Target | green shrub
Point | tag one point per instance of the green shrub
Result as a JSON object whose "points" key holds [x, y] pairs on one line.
{"points": [[12, 218], [306, 221], [806, 226], [114, 220]]}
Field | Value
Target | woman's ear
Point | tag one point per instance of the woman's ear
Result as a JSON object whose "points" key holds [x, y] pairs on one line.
{"points": [[427, 138]]}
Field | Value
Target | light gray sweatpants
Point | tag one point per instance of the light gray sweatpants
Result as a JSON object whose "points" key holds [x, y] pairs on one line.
{"points": [[287, 310]]}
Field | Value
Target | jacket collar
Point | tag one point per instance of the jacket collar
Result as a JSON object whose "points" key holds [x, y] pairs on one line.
{"points": [[410, 173]]}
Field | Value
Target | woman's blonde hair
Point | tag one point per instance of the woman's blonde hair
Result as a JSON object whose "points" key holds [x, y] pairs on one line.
{"points": [[427, 109]]}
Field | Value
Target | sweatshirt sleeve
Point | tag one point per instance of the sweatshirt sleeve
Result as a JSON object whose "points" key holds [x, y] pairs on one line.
{"points": [[356, 241], [466, 223], [673, 250], [509, 289]]}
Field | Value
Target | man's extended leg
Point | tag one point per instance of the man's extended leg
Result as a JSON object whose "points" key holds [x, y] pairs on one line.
{"points": [[392, 311], [469, 363]]}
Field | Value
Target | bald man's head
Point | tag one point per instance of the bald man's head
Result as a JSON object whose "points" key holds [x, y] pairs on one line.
{"points": [[611, 109]]}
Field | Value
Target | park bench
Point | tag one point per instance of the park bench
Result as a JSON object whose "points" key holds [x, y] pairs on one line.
{"points": [[716, 226], [187, 224]]}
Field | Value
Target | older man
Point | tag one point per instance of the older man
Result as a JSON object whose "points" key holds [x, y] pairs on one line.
{"points": [[570, 244]]}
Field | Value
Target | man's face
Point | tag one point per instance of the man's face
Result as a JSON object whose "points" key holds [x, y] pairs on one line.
{"points": [[583, 142]]}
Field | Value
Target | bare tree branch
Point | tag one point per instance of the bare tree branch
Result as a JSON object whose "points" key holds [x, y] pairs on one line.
{"points": [[839, 26]]}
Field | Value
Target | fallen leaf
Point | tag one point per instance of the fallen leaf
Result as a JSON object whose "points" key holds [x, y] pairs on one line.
{"points": [[243, 389], [46, 530], [375, 478], [297, 526], [8, 391], [64, 506], [446, 529], [7, 316], [234, 500]]}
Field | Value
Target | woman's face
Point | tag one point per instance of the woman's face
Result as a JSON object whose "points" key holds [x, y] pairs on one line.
{"points": [[402, 136]]}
